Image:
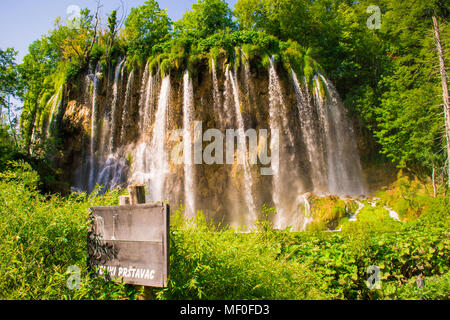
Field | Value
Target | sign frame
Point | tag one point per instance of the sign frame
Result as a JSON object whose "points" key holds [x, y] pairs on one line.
{"points": [[131, 243]]}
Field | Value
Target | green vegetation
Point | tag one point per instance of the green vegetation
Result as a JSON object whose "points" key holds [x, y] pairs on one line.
{"points": [[146, 27], [42, 236], [388, 79]]}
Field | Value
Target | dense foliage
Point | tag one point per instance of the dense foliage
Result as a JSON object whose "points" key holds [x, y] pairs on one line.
{"points": [[388, 77], [41, 237], [389, 81]]}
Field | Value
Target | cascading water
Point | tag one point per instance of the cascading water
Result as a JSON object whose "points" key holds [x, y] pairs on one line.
{"points": [[307, 218], [107, 121], [141, 173], [148, 111], [143, 97], [353, 217], [276, 99], [126, 106], [110, 173], [285, 185], [393, 214], [118, 76], [188, 117], [228, 99], [344, 167], [280, 219], [310, 136], [248, 180], [317, 149], [54, 101], [91, 182], [216, 93], [159, 165]]}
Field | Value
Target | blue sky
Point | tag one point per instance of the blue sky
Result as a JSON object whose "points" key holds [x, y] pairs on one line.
{"points": [[23, 21]]}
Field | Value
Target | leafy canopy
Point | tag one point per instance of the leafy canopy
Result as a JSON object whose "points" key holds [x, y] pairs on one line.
{"points": [[145, 27], [206, 18], [9, 77]]}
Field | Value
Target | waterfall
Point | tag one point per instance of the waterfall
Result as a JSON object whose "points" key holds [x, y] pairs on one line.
{"points": [[92, 169], [228, 100], [277, 183], [344, 167], [143, 152], [307, 218], [141, 172], [248, 180], [334, 165], [148, 112], [143, 100], [118, 76], [188, 117], [278, 120], [126, 106], [110, 123], [305, 120], [310, 136], [276, 100], [360, 207], [159, 166], [216, 94], [111, 171], [54, 100], [392, 214]]}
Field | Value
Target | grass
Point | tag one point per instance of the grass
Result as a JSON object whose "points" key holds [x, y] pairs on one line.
{"points": [[42, 236]]}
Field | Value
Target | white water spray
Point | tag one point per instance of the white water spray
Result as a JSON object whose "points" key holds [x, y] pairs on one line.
{"points": [[188, 117], [248, 180], [159, 166]]}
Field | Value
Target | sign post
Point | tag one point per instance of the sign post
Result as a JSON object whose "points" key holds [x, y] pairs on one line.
{"points": [[130, 243]]}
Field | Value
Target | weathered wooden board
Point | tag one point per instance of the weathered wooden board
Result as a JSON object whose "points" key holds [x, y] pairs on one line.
{"points": [[131, 243]]}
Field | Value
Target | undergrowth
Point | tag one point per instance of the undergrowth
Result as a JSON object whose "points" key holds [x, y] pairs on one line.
{"points": [[41, 236]]}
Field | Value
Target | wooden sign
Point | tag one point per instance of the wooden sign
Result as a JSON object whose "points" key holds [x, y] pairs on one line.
{"points": [[131, 243]]}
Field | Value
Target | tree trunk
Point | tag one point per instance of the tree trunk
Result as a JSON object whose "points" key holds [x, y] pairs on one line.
{"points": [[11, 127], [444, 92], [433, 178], [32, 127]]}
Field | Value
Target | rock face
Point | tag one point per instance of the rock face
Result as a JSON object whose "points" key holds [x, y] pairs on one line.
{"points": [[125, 127]]}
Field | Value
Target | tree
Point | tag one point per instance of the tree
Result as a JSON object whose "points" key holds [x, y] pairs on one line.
{"points": [[206, 18], [284, 19], [9, 85], [75, 41], [443, 72], [145, 27], [409, 116], [41, 61], [8, 76], [114, 26]]}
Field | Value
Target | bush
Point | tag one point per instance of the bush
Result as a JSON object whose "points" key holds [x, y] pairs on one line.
{"points": [[208, 263], [40, 237], [435, 288]]}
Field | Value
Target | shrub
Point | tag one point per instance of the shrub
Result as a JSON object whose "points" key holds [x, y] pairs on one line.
{"points": [[40, 237], [212, 263]]}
